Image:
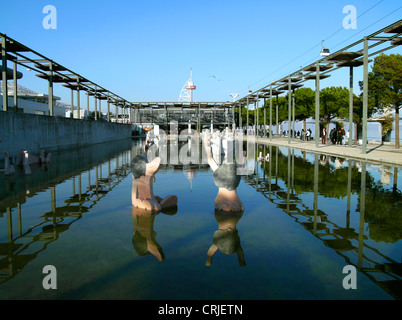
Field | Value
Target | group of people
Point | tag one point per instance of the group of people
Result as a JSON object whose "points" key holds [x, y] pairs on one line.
{"points": [[337, 135], [306, 135]]}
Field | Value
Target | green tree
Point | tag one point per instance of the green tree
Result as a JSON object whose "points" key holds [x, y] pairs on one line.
{"points": [[305, 103], [332, 100], [385, 85]]}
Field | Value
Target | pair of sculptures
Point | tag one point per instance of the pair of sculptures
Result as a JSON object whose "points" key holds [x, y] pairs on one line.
{"points": [[228, 207]]}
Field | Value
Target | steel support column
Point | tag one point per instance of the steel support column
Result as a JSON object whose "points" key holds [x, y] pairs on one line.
{"points": [[293, 113], [240, 120], [277, 115], [78, 99], [365, 95], [108, 108], [350, 106], [4, 72], [270, 113], [72, 102], [15, 86], [96, 105], [289, 106], [265, 119], [317, 105], [247, 118], [87, 104]]}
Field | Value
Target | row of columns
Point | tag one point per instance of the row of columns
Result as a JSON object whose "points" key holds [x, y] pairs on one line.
{"points": [[291, 106], [51, 80]]}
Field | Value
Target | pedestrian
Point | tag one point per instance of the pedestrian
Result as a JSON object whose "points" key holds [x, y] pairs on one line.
{"points": [[324, 135]]}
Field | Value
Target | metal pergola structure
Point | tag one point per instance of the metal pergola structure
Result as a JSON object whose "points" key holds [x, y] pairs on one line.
{"points": [[389, 36], [53, 72], [21, 55], [199, 113]]}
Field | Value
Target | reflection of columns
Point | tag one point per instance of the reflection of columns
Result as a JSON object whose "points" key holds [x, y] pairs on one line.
{"points": [[270, 170], [79, 187], [362, 210], [315, 191], [19, 219], [9, 225], [293, 169], [349, 185], [53, 198], [395, 178]]}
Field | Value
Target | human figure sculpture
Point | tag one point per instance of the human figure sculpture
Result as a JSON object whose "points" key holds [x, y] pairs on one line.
{"points": [[142, 194], [226, 179]]}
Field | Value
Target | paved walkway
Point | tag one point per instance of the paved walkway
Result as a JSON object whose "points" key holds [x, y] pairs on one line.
{"points": [[386, 154]]}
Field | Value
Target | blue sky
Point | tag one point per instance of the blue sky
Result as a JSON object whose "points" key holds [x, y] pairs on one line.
{"points": [[143, 50]]}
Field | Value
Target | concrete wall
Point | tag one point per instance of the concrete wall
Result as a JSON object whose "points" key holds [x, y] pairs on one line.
{"points": [[36, 132]]}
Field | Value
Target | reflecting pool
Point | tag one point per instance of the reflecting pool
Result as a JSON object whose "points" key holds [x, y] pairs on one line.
{"points": [[305, 218]]}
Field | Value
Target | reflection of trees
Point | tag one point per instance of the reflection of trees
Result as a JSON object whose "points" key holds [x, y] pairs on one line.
{"points": [[279, 187], [383, 213], [332, 183]]}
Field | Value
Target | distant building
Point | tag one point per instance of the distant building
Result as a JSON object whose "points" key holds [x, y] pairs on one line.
{"points": [[32, 102]]}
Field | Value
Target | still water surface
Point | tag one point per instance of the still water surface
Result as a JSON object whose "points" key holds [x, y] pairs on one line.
{"points": [[306, 217]]}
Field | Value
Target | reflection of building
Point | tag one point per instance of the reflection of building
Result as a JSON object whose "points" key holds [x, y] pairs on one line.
{"points": [[32, 102]]}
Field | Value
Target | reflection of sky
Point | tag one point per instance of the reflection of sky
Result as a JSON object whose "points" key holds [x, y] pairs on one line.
{"points": [[95, 257]]}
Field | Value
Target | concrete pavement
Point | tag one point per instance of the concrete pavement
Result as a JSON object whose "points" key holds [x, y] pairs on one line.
{"points": [[386, 154]]}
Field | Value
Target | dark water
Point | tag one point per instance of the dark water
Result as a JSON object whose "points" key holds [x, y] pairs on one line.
{"points": [[305, 219]]}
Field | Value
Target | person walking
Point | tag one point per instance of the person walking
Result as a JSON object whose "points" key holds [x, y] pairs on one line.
{"points": [[324, 135]]}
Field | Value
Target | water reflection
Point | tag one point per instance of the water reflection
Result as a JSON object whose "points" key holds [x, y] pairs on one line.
{"points": [[286, 178], [367, 214], [226, 239], [72, 167]]}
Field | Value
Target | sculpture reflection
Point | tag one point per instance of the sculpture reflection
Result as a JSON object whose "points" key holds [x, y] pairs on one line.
{"points": [[146, 205], [144, 238], [225, 178], [226, 239], [228, 206]]}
